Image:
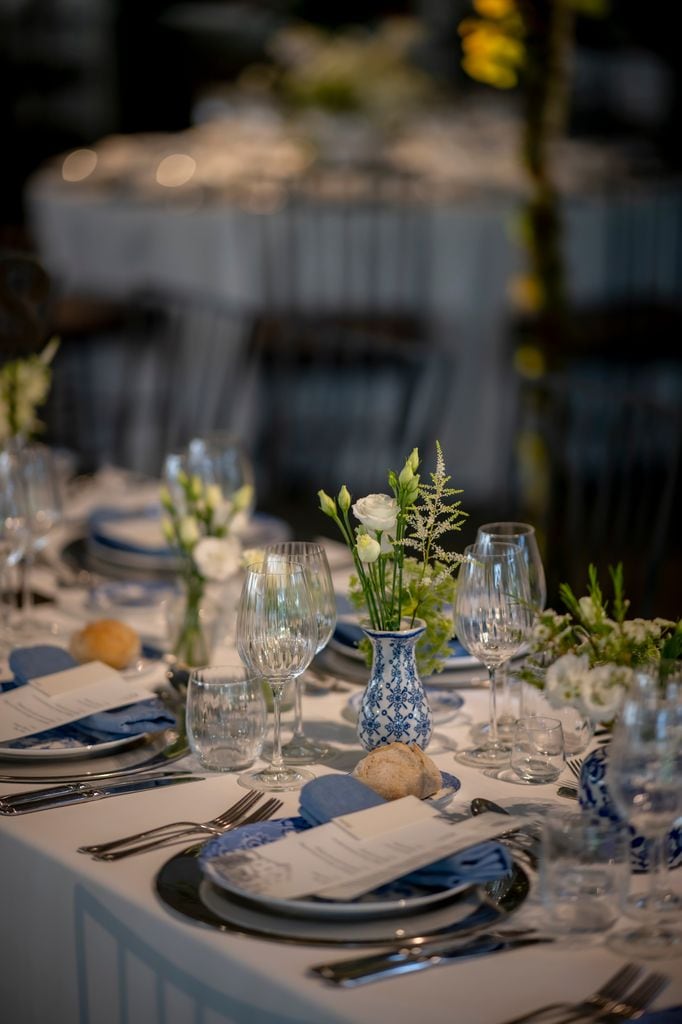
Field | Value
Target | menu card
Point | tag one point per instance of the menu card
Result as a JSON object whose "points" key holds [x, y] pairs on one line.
{"points": [[355, 853], [49, 701]]}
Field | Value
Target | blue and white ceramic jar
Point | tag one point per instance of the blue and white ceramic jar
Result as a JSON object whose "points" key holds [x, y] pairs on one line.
{"points": [[594, 796], [394, 707]]}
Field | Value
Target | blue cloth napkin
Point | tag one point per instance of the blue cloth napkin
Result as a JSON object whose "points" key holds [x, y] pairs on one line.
{"points": [[332, 795], [144, 716], [673, 1015]]}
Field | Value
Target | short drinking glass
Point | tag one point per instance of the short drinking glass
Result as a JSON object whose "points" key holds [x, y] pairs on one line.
{"points": [[538, 749], [584, 872], [226, 717]]}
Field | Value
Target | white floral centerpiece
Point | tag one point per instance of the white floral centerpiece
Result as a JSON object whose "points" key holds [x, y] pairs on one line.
{"points": [[587, 657], [402, 570], [197, 523], [24, 387]]}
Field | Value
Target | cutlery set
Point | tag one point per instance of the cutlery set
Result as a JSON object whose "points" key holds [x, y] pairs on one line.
{"points": [[84, 792]]}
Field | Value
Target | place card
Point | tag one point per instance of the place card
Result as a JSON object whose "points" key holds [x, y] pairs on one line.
{"points": [[355, 853], [61, 697]]}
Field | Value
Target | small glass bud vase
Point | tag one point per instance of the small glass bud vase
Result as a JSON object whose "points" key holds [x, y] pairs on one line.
{"points": [[194, 618], [394, 707]]}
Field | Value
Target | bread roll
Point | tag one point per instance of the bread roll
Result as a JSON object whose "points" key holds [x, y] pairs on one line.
{"points": [[396, 770], [106, 640]]}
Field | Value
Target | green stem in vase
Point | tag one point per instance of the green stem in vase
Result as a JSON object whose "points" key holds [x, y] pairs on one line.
{"points": [[191, 647]]}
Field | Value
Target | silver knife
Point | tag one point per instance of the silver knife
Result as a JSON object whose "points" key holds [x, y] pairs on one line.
{"points": [[19, 799], [418, 959], [41, 800]]}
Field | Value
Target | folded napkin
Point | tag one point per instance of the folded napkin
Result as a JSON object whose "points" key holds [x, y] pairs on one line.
{"points": [[332, 795], [132, 720]]}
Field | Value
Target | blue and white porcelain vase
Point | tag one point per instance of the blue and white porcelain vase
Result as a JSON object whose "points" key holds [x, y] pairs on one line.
{"points": [[394, 707], [594, 796]]}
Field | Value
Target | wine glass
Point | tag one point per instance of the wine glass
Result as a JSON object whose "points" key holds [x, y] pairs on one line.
{"points": [[12, 527], [645, 783], [276, 638], [301, 749], [522, 534], [43, 510], [219, 458], [493, 618]]}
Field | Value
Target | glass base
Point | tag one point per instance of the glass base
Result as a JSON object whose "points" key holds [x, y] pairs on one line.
{"points": [[302, 750], [274, 780], [652, 906], [23, 629], [658, 943], [485, 757], [505, 730]]}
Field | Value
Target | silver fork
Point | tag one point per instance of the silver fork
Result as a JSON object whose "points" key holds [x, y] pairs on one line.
{"points": [[574, 765], [182, 827], [260, 814], [638, 1000], [599, 1002]]}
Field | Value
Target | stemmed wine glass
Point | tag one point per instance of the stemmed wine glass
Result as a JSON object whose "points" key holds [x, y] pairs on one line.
{"points": [[301, 749], [645, 783], [524, 535], [493, 618], [276, 638], [43, 510], [12, 527]]}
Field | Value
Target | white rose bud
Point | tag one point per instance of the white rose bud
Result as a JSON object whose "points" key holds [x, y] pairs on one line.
{"points": [[189, 531], [377, 512], [242, 498], [213, 496], [368, 548], [167, 530]]}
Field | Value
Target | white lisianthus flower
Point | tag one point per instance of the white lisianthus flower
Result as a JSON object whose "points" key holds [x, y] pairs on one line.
{"points": [[602, 690], [377, 512], [368, 548], [563, 681], [217, 558], [189, 531]]}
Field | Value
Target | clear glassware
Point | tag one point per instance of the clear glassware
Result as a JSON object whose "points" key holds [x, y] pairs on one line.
{"points": [[276, 638], [645, 783], [537, 753], [301, 749], [226, 716], [13, 535], [220, 458], [493, 618], [524, 535], [43, 510]]}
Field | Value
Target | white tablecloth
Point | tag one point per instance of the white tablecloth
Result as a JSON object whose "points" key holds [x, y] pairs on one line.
{"points": [[90, 942]]}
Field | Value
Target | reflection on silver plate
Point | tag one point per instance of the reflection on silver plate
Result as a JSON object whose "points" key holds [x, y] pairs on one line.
{"points": [[399, 897], [178, 881]]}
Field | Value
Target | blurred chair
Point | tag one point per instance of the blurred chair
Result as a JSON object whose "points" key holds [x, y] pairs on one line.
{"points": [[348, 377], [598, 472]]}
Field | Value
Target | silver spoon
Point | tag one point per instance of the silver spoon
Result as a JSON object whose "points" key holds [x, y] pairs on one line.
{"points": [[479, 805]]}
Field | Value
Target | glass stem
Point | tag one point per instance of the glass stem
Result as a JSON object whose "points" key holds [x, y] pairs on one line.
{"points": [[298, 708], [277, 763], [492, 727], [655, 873], [27, 564]]}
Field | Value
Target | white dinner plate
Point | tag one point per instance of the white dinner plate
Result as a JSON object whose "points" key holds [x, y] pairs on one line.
{"points": [[65, 749], [396, 898]]}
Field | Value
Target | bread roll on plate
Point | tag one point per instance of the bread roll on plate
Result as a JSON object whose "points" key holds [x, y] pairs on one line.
{"points": [[396, 770], [107, 640]]}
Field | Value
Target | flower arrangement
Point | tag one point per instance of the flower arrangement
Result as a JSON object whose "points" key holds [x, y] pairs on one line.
{"points": [[391, 585], [197, 523], [587, 657], [352, 70], [24, 386]]}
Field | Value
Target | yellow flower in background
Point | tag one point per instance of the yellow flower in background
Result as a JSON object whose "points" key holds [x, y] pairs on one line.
{"points": [[492, 44]]}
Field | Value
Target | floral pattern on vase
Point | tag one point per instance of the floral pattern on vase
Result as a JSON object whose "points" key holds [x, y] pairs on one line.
{"points": [[394, 707], [594, 796]]}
